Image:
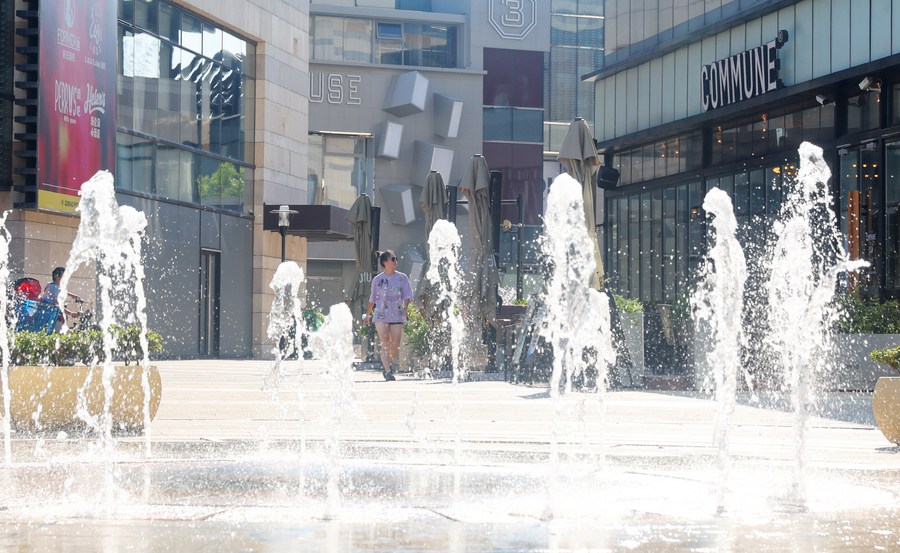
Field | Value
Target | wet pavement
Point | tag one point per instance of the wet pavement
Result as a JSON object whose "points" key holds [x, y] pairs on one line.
{"points": [[233, 464]]}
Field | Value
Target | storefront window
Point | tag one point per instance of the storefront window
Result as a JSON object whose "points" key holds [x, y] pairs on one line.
{"points": [[669, 244], [386, 42], [892, 215], [340, 169], [622, 251], [184, 89], [861, 210], [863, 112], [895, 113]]}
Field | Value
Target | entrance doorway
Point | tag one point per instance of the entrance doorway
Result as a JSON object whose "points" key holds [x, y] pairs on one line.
{"points": [[861, 211], [209, 303]]}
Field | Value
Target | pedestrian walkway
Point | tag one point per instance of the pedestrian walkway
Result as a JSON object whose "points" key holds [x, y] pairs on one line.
{"points": [[240, 463], [218, 400]]}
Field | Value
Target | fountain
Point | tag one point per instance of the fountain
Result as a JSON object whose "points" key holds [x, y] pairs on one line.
{"points": [[503, 467], [719, 306], [102, 397]]}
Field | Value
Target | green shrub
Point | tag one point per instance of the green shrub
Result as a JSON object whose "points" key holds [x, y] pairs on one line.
{"points": [[863, 316], [418, 331], [85, 346], [628, 305], [888, 356], [314, 318], [128, 342]]}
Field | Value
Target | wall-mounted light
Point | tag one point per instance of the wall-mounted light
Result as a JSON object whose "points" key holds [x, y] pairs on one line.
{"points": [[824, 100], [870, 84]]}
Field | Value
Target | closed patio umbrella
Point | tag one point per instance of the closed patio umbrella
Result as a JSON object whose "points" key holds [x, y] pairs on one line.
{"points": [[360, 216], [579, 157], [433, 202], [475, 185]]}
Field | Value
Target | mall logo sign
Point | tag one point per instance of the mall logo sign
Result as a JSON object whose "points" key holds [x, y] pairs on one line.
{"points": [[512, 18], [742, 76]]}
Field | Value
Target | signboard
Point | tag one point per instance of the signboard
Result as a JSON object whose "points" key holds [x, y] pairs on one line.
{"points": [[512, 18], [742, 76], [77, 98]]}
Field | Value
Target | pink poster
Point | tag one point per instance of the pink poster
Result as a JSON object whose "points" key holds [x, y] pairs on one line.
{"points": [[77, 98]]}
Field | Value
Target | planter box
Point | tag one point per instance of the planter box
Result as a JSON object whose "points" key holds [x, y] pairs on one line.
{"points": [[633, 329], [853, 369], [886, 407], [510, 312], [46, 398]]}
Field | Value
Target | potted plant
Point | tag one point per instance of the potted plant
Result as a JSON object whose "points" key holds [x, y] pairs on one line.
{"points": [[886, 399], [631, 316], [516, 309]]}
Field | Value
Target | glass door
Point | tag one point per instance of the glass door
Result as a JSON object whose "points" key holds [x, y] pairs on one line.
{"points": [[892, 217], [209, 303], [861, 211]]}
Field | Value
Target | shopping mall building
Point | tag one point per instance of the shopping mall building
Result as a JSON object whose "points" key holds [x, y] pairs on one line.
{"points": [[696, 95], [211, 114]]}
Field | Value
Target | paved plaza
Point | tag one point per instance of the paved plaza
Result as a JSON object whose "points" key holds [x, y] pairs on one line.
{"points": [[239, 460]]}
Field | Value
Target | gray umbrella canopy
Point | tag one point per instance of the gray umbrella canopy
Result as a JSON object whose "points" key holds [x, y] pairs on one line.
{"points": [[475, 185], [433, 202], [579, 157], [360, 216]]}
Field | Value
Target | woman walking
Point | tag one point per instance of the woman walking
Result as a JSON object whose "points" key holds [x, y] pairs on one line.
{"points": [[390, 295]]}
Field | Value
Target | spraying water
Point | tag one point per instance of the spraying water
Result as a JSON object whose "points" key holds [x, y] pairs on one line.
{"points": [[4, 335], [443, 249], [110, 236], [808, 255], [719, 307], [577, 323], [333, 343], [285, 318]]}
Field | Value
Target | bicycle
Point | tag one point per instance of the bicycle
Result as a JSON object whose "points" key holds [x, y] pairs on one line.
{"points": [[83, 317]]}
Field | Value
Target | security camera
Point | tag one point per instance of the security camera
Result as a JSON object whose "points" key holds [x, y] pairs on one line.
{"points": [[824, 100], [869, 84]]}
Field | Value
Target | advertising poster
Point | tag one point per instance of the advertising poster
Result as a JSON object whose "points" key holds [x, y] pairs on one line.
{"points": [[77, 98]]}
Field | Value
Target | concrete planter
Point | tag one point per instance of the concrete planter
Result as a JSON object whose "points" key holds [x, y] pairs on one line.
{"points": [[46, 398], [853, 369], [886, 407], [633, 329]]}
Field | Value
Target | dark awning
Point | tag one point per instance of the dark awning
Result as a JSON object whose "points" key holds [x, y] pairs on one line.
{"points": [[314, 222]]}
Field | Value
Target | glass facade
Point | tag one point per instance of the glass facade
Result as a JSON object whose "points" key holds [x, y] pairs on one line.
{"points": [[185, 107], [656, 228], [671, 156], [349, 39], [513, 113], [576, 49], [340, 169], [657, 238]]}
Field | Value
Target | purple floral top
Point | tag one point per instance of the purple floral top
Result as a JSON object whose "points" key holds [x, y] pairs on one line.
{"points": [[388, 294]]}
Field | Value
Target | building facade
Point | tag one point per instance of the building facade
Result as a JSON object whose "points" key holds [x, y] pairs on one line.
{"points": [[398, 89], [205, 112], [216, 114], [700, 94]]}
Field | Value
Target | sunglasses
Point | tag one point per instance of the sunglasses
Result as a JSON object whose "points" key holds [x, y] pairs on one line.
{"points": [[394, 259]]}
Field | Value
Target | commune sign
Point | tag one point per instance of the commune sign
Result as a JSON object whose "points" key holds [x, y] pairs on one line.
{"points": [[742, 76]]}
